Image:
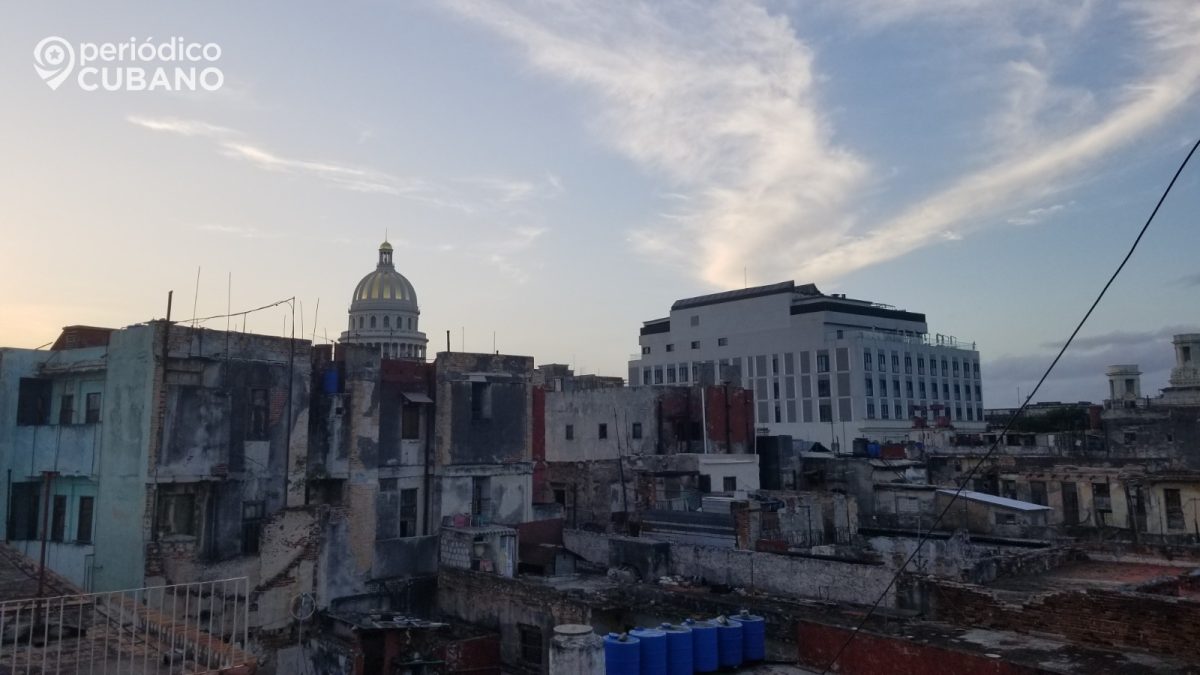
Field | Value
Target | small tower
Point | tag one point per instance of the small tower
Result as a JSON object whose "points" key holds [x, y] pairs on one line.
{"points": [[1186, 372], [1124, 384]]}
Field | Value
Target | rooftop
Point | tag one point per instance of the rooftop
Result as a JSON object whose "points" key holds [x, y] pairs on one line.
{"points": [[1002, 502]]}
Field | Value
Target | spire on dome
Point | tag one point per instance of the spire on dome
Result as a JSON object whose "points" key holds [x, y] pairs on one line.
{"points": [[385, 254]]}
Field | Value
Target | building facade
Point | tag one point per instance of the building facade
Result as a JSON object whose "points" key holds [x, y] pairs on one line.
{"points": [[384, 312], [822, 367]]}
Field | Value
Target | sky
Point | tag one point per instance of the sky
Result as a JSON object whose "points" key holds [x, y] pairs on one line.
{"points": [[554, 173]]}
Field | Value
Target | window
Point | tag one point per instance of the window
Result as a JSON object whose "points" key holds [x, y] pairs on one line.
{"points": [[602, 431], [1037, 492], [1008, 488], [671, 348], [83, 526], [722, 342], [946, 390], [481, 495], [259, 414], [92, 414], [1100, 497], [387, 321], [882, 360], [670, 374], [570, 432], [867, 360], [895, 387], [945, 369], [645, 350], [883, 410], [33, 401], [408, 512], [1174, 509], [898, 410], [955, 363], [1186, 354], [729, 483], [975, 367], [683, 372], [66, 409], [176, 514], [1006, 518], [895, 362], [410, 422], [921, 388], [1130, 436], [825, 412], [645, 376], [920, 365], [481, 401], [658, 375], [531, 642], [58, 518], [908, 388], [870, 410], [822, 386], [360, 322], [822, 361], [882, 387], [695, 344], [372, 321], [870, 390], [637, 430], [252, 517], [24, 505], [908, 364], [778, 416], [956, 393]]}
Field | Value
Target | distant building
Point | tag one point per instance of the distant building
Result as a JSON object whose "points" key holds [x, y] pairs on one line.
{"points": [[822, 367], [384, 312]]}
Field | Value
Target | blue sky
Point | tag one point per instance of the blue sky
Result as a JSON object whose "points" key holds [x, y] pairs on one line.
{"points": [[558, 172]]}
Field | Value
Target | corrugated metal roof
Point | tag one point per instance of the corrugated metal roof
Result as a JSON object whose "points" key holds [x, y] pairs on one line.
{"points": [[1003, 502]]}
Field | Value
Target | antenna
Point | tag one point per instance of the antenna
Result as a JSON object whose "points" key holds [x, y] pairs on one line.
{"points": [[316, 313], [196, 296]]}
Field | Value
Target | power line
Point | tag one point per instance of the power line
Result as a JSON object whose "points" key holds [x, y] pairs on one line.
{"points": [[921, 540], [248, 311]]}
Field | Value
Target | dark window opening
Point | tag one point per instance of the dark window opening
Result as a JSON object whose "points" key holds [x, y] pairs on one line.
{"points": [[481, 401], [33, 401], [1100, 497], [176, 514], [408, 512], [252, 517], [23, 510], [602, 432], [410, 422], [66, 409], [260, 409], [1174, 509], [83, 528], [92, 409], [729, 483], [58, 518], [481, 496], [531, 643], [637, 430], [570, 432], [1037, 492]]}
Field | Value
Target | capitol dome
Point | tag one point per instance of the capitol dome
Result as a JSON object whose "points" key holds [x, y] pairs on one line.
{"points": [[384, 312]]}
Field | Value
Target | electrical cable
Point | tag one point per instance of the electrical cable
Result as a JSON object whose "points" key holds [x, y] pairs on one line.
{"points": [[248, 311], [921, 541]]}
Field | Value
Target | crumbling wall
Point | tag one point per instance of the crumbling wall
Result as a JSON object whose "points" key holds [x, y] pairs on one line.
{"points": [[1104, 617]]}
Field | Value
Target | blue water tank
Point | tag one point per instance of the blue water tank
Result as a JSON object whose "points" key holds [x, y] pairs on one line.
{"points": [[754, 636], [679, 649], [729, 642], [330, 380], [622, 654], [654, 650], [873, 450], [704, 646]]}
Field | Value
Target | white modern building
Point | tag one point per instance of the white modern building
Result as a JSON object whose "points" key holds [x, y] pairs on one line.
{"points": [[823, 368], [384, 312]]}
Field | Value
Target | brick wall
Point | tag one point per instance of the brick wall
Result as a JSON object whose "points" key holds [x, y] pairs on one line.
{"points": [[1143, 621]]}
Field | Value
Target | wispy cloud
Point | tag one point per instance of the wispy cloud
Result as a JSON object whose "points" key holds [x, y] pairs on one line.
{"points": [[238, 231], [716, 97], [1170, 57], [1035, 216], [233, 144]]}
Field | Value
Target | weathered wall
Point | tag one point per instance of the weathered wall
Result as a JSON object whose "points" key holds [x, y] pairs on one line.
{"points": [[129, 415], [1104, 617]]}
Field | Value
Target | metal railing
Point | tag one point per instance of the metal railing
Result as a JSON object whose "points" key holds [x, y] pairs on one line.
{"points": [[199, 627]]}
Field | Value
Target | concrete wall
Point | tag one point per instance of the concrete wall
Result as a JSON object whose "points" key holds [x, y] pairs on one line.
{"points": [[743, 469], [128, 430], [619, 409]]}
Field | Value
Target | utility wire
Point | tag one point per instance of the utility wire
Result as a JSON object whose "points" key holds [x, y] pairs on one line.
{"points": [[921, 541], [285, 301]]}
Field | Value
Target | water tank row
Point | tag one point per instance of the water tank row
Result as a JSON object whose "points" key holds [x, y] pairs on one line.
{"points": [[691, 647]]}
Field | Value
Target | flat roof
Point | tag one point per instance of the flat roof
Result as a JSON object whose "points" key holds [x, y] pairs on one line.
{"points": [[1003, 502]]}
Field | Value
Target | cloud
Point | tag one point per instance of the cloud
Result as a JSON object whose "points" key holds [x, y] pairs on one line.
{"points": [[1035, 216], [1079, 375], [239, 231], [235, 145], [1189, 280], [718, 98], [1044, 164], [721, 100]]}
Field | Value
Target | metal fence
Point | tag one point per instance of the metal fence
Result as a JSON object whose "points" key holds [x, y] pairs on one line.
{"points": [[199, 627]]}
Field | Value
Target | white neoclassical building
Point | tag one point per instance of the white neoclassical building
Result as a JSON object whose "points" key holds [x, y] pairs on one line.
{"points": [[384, 312]]}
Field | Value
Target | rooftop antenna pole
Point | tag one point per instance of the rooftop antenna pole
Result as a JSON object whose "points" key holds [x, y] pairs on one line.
{"points": [[745, 278], [463, 344], [196, 296], [494, 350], [301, 321], [447, 341], [316, 313]]}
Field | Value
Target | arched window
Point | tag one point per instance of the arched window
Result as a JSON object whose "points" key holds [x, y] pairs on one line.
{"points": [[387, 321], [360, 322], [372, 321], [410, 323]]}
